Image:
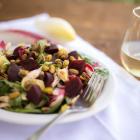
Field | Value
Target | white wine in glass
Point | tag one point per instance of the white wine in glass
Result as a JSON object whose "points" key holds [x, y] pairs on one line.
{"points": [[130, 51]]}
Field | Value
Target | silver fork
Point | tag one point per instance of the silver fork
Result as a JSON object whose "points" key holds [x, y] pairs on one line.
{"points": [[83, 103]]}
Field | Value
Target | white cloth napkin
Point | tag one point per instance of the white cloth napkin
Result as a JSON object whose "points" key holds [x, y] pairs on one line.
{"points": [[119, 121]]}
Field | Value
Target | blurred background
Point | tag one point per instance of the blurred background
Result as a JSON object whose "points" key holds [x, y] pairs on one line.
{"points": [[132, 1], [101, 22]]}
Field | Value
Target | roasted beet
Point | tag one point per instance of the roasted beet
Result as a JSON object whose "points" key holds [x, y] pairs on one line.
{"points": [[48, 79], [34, 94], [51, 49], [78, 65], [73, 87], [29, 64], [73, 53], [12, 72], [10, 57], [19, 52]]}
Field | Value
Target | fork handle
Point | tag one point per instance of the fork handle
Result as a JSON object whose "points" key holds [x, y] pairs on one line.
{"points": [[36, 135]]}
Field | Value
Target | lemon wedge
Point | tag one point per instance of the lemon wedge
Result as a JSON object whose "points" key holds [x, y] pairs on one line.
{"points": [[57, 29]]}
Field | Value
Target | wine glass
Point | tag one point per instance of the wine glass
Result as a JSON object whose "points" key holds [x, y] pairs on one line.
{"points": [[130, 50]]}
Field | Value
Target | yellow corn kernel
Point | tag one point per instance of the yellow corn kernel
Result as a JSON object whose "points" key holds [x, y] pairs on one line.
{"points": [[48, 90]]}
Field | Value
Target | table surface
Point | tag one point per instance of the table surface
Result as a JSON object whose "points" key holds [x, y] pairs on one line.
{"points": [[103, 24]]}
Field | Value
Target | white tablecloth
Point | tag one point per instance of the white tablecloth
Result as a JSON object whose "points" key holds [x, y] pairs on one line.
{"points": [[119, 121]]}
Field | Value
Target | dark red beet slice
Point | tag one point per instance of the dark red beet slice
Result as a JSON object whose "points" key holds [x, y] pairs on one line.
{"points": [[71, 76], [51, 98], [73, 53], [48, 79], [51, 49], [12, 72], [73, 87], [29, 64], [78, 65], [10, 57], [18, 52], [34, 94]]}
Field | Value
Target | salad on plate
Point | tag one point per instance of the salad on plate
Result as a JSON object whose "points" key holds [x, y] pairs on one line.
{"points": [[43, 77]]}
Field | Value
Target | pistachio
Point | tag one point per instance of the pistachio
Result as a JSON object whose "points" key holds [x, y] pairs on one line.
{"points": [[48, 57], [52, 69], [74, 71], [64, 56], [14, 95], [45, 68], [48, 90], [65, 63], [72, 58], [4, 62], [23, 72], [58, 60], [64, 107], [59, 63], [62, 53]]}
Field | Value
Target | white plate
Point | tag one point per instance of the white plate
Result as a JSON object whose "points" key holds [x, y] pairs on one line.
{"points": [[35, 119]]}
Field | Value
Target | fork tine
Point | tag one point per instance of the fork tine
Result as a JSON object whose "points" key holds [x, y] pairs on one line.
{"points": [[96, 92], [92, 80], [92, 87]]}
